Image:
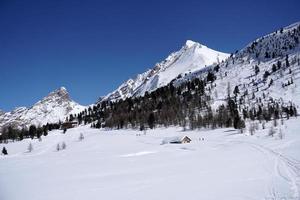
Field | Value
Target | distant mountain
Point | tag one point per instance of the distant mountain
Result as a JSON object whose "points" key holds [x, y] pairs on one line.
{"points": [[262, 77], [259, 82], [54, 107], [191, 57]]}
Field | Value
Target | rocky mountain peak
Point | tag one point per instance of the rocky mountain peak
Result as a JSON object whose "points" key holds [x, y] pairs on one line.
{"points": [[56, 106], [59, 95]]}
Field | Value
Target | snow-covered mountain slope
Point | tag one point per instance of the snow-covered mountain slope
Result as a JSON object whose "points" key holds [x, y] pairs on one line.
{"points": [[119, 164], [191, 57], [267, 70], [54, 107]]}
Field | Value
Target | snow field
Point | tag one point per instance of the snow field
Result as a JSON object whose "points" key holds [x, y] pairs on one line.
{"points": [[115, 164]]}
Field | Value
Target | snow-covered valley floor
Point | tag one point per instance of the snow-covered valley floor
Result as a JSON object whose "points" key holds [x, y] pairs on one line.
{"points": [[122, 165]]}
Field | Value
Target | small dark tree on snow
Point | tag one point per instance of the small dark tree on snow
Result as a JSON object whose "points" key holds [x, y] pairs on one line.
{"points": [[151, 120], [287, 63], [21, 135], [278, 64], [142, 127], [32, 131], [45, 130], [4, 151], [58, 147], [81, 137], [271, 82], [275, 122], [263, 125], [266, 74], [256, 69], [63, 146], [236, 90], [267, 55], [238, 123], [274, 68], [39, 132], [211, 77], [216, 68]]}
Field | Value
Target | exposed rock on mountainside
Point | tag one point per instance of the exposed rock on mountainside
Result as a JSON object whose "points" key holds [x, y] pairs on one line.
{"points": [[56, 106]]}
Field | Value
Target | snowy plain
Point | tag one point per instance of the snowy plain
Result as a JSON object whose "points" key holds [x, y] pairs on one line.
{"points": [[126, 164]]}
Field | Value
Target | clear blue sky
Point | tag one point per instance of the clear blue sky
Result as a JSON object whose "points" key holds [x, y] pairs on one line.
{"points": [[91, 47]]}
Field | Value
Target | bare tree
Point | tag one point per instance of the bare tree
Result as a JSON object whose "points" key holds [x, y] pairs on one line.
{"points": [[252, 128], [57, 147], [30, 147], [63, 146], [280, 134], [272, 131], [81, 137]]}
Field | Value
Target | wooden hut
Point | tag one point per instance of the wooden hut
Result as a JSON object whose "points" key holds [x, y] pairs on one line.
{"points": [[185, 139]]}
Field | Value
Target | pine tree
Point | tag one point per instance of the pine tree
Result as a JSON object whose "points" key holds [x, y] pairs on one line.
{"points": [[32, 131], [274, 68], [287, 63], [151, 120], [45, 130], [211, 77], [266, 74], [236, 91], [4, 151], [256, 69]]}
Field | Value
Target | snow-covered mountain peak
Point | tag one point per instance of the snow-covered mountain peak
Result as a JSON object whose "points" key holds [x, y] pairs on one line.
{"points": [[191, 57], [55, 107], [190, 43]]}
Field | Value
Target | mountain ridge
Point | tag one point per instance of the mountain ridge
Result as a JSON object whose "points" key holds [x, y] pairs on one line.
{"points": [[54, 107], [190, 57]]}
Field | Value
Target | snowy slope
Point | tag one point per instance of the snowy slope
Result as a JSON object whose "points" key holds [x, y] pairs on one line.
{"points": [[54, 107], [192, 56], [239, 70], [121, 165]]}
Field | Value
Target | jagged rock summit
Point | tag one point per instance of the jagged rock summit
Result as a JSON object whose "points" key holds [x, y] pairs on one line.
{"points": [[56, 106]]}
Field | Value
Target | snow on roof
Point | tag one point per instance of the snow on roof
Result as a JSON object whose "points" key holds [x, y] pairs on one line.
{"points": [[175, 139]]}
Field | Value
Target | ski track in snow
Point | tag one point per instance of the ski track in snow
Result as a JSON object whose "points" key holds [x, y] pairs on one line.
{"points": [[282, 164], [288, 169]]}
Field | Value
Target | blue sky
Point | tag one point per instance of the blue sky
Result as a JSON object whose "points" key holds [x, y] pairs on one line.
{"points": [[91, 47]]}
